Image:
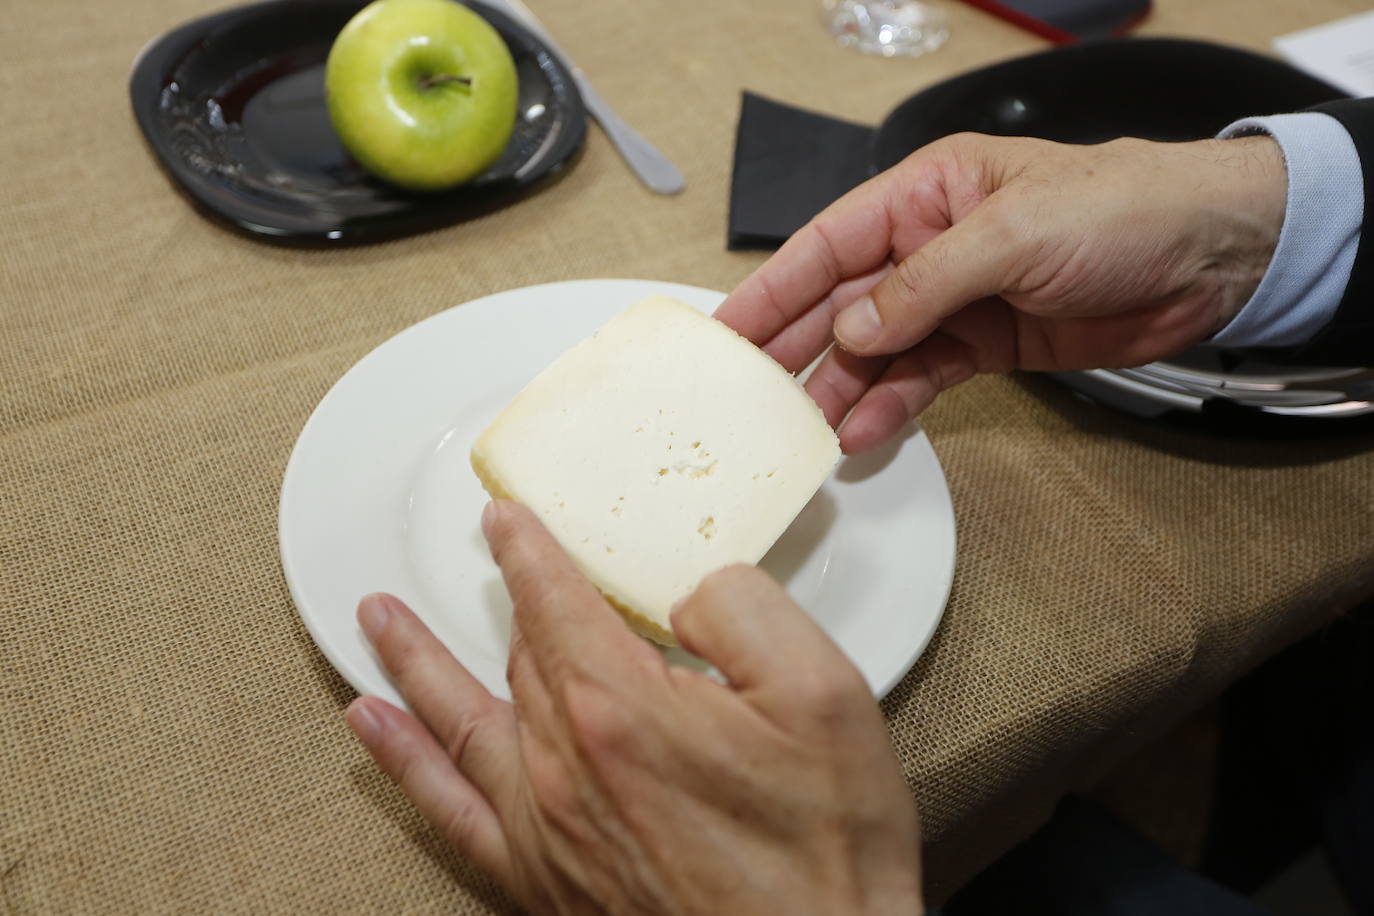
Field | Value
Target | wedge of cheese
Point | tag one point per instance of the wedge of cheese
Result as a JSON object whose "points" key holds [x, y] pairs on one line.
{"points": [[660, 449]]}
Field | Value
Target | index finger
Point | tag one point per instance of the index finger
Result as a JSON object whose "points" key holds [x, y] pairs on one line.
{"points": [[561, 615], [848, 238]]}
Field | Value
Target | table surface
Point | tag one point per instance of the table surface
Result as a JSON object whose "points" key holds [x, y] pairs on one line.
{"points": [[173, 740]]}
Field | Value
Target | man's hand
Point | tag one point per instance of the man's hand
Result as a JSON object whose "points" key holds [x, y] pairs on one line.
{"points": [[617, 783], [985, 254]]}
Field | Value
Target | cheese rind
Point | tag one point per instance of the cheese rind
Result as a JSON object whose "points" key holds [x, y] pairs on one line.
{"points": [[658, 450]]}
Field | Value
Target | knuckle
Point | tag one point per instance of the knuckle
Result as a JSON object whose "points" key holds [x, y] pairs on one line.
{"points": [[459, 825], [400, 657], [946, 155], [908, 278], [533, 585], [458, 743], [963, 142], [512, 533], [1006, 230], [946, 148], [471, 730], [501, 539], [551, 784], [827, 248], [602, 725], [519, 663], [402, 768], [832, 695], [1008, 222]]}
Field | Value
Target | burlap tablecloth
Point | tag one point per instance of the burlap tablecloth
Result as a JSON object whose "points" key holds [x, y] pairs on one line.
{"points": [[170, 739]]}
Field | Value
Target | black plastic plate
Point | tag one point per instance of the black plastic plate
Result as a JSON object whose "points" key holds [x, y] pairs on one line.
{"points": [[233, 107]]}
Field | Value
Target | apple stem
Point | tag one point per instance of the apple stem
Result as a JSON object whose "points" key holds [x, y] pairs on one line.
{"points": [[430, 80]]}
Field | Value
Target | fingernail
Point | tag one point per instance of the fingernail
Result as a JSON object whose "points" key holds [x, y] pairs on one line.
{"points": [[373, 613], [859, 325], [366, 724], [488, 518]]}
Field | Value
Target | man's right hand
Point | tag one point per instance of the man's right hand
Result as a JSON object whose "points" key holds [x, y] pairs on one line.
{"points": [[617, 783], [985, 254]]}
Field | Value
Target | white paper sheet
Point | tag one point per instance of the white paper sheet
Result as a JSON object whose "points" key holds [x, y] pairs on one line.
{"points": [[1340, 52]]}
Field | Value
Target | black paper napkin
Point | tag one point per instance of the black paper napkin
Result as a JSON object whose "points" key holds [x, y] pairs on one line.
{"points": [[789, 165]]}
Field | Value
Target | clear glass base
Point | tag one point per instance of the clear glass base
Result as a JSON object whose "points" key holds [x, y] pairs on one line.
{"points": [[887, 27]]}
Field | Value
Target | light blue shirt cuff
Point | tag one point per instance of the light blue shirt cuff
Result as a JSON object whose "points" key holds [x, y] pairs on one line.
{"points": [[1311, 266]]}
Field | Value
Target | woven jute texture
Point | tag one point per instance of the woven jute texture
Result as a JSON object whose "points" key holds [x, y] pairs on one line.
{"points": [[171, 740]]}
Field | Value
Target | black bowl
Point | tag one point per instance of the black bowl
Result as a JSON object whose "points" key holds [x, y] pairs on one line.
{"points": [[233, 107], [1156, 88]]}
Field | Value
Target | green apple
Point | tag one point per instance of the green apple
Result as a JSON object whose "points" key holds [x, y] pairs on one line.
{"points": [[421, 92]]}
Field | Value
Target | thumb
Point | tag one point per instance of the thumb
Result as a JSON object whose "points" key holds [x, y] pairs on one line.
{"points": [[975, 258], [745, 624]]}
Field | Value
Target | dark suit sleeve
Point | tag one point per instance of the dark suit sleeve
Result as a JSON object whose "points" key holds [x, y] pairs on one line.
{"points": [[1349, 338]]}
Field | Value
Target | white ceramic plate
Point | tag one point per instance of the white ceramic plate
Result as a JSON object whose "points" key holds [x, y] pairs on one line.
{"points": [[378, 496]]}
